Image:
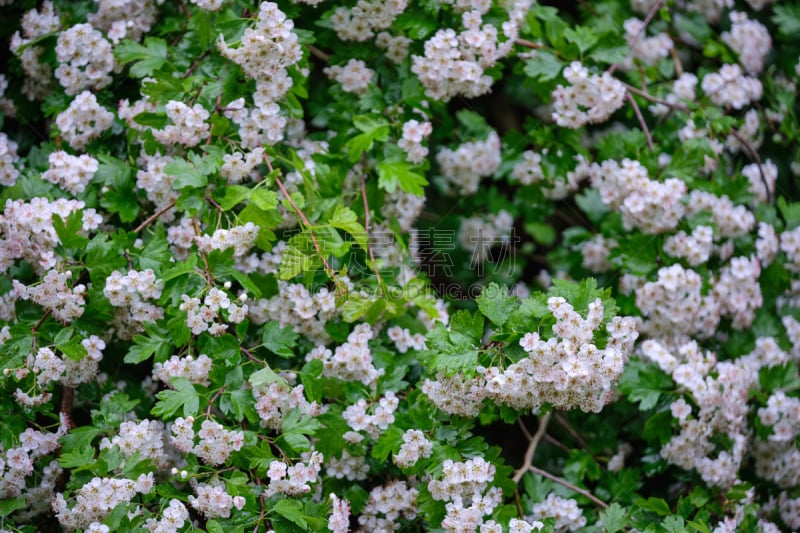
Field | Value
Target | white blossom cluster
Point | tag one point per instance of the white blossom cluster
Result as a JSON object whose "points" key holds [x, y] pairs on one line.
{"points": [[529, 171], [38, 73], [695, 247], [374, 424], [360, 22], [238, 166], [213, 500], [762, 179], [83, 121], [153, 179], [194, 369], [264, 53], [216, 443], [569, 370], [129, 294], [172, 519], [352, 467], [648, 205], [296, 306], [188, 127], [71, 173], [683, 90], [17, 463], [480, 234], [294, 480], [208, 5], [339, 521], [464, 167], [28, 233], [240, 238], [351, 361], [66, 303], [274, 401], [456, 394], [648, 50], [750, 39], [414, 446], [404, 340], [750, 130], [596, 253], [403, 206], [730, 87], [588, 98], [206, 315], [397, 46], [386, 505], [782, 414], [463, 485], [738, 291], [85, 59], [97, 498], [124, 19], [354, 77], [8, 160], [145, 438], [566, 512], [455, 63], [414, 132], [730, 220]]}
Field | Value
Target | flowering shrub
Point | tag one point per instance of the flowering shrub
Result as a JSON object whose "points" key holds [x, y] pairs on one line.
{"points": [[452, 265]]}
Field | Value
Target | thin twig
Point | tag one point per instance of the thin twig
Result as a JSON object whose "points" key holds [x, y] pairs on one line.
{"points": [[366, 220], [196, 64], [655, 99], [250, 355], [529, 44], [650, 14], [40, 321], [207, 272], [214, 399], [756, 158], [641, 120], [561, 481], [316, 52], [532, 445], [305, 220], [677, 60], [149, 220], [557, 443], [67, 399], [574, 434]]}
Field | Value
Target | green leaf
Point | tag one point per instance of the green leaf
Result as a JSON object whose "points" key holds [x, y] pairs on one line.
{"points": [[469, 324], [644, 383], [79, 438], [264, 199], [170, 401], [611, 54], [495, 303], [234, 194], [152, 120], [142, 349], [388, 443], [779, 377], [265, 376], [279, 341], [656, 505], [583, 37], [69, 230], [613, 518], [544, 66], [10, 505], [787, 17], [147, 59], [345, 219], [291, 510], [394, 174], [188, 174], [80, 457]]}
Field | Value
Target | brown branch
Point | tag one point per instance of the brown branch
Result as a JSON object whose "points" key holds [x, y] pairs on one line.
{"points": [[67, 399], [655, 99], [250, 355], [532, 445], [40, 321], [561, 481], [529, 44], [196, 64], [650, 14], [641, 120], [214, 399], [366, 220], [564, 423], [677, 60], [319, 54], [757, 159], [149, 220], [305, 220]]}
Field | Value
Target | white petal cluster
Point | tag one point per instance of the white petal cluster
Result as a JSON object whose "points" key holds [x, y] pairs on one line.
{"points": [[397, 47], [145, 438], [28, 233], [569, 370], [206, 315], [649, 50], [567, 513], [351, 361], [404, 340], [188, 127], [96, 499], [696, 247], [414, 446], [274, 401], [386, 505], [83, 121], [195, 370], [464, 167], [650, 206], [71, 173], [352, 467], [374, 424], [294, 480], [85, 59], [295, 306], [339, 521], [730, 87], [587, 99], [354, 77], [38, 73], [237, 166], [414, 132], [124, 19], [172, 519], [153, 179], [481, 234], [240, 238], [750, 39], [465, 486], [53, 293], [360, 22], [129, 294], [208, 5], [8, 159], [213, 501]]}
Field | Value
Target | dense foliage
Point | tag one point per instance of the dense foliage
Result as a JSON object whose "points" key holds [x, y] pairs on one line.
{"points": [[401, 265]]}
